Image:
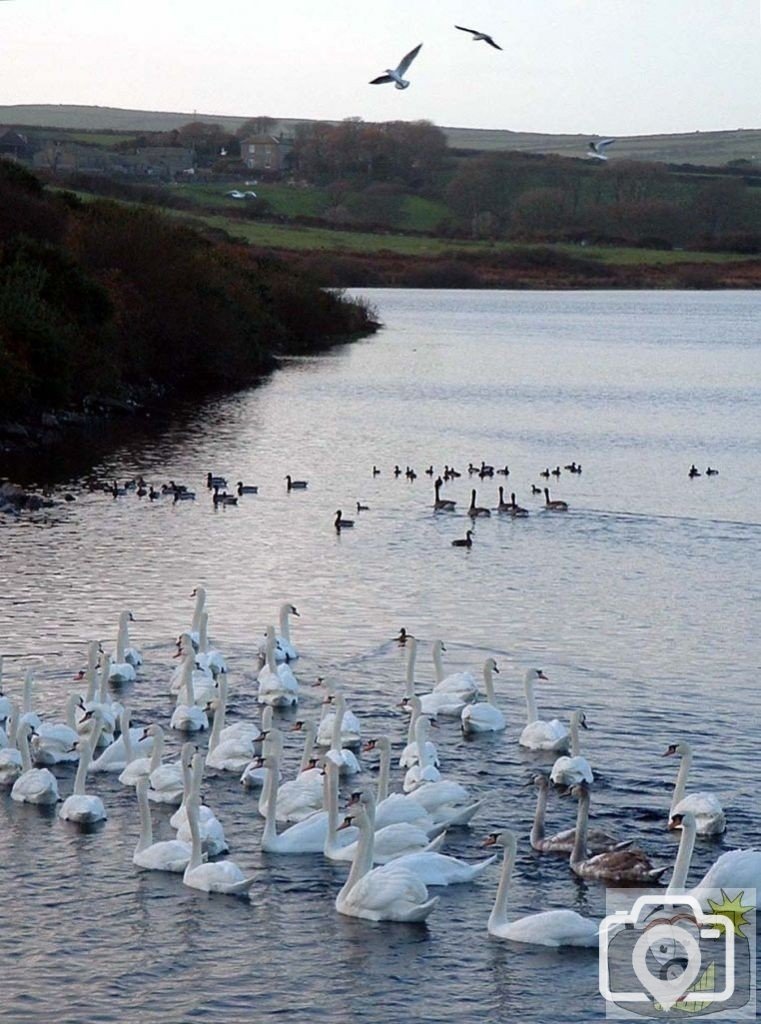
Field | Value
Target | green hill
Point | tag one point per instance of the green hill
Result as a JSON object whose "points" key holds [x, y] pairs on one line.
{"points": [[710, 148]]}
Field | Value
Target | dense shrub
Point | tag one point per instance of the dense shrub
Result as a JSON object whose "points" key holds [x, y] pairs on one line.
{"points": [[103, 298]]}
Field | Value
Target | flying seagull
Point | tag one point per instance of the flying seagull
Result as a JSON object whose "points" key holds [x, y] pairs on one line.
{"points": [[397, 75], [478, 36], [597, 149]]}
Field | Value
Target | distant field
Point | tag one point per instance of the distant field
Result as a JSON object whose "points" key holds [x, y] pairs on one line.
{"points": [[323, 239], [416, 214], [697, 147]]}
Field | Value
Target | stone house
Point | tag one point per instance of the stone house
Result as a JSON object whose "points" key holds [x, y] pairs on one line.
{"points": [[266, 153]]}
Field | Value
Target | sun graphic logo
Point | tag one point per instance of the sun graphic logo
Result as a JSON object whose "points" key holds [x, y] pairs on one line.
{"points": [[671, 956]]}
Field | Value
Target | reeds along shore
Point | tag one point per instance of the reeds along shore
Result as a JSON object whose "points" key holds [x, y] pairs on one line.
{"points": [[106, 302]]}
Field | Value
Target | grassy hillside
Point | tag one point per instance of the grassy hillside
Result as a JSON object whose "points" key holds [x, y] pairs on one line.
{"points": [[710, 148]]}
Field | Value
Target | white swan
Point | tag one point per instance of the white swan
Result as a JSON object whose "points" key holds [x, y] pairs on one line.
{"points": [[387, 893], [423, 770], [55, 743], [567, 771], [277, 683], [188, 717], [114, 757], [431, 867], [109, 709], [11, 765], [431, 703], [201, 677], [409, 755], [391, 841], [213, 838], [300, 797], [254, 774], [462, 684], [234, 753], [705, 808], [284, 648], [199, 593], [345, 760], [549, 928], [169, 855], [539, 735], [33, 785], [351, 729], [393, 807], [81, 807], [132, 655], [598, 841], [140, 767], [615, 867], [122, 670], [484, 716], [208, 660], [733, 870], [307, 836], [166, 781], [220, 876]]}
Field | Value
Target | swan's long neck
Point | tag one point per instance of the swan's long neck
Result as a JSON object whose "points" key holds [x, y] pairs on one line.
{"points": [[498, 914], [438, 664], [92, 671], [340, 706], [385, 766], [129, 750], [271, 661], [199, 606], [195, 835], [203, 633], [103, 695], [285, 628], [85, 757], [363, 857], [414, 715], [71, 704], [537, 829], [187, 671], [683, 857], [421, 738], [22, 741], [158, 750], [409, 686], [219, 716], [331, 785], [145, 839], [532, 712], [489, 683], [12, 726], [306, 757], [575, 749], [273, 781], [273, 746], [579, 852], [122, 638], [681, 778]]}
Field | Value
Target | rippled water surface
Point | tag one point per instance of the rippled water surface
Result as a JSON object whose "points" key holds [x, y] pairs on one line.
{"points": [[641, 605]]}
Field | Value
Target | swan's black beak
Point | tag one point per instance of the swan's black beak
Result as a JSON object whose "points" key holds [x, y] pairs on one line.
{"points": [[495, 669]]}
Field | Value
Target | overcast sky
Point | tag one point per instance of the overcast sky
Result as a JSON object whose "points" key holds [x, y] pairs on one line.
{"points": [[614, 67]]}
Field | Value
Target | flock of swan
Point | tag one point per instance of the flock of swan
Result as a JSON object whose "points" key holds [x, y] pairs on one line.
{"points": [[391, 838]]}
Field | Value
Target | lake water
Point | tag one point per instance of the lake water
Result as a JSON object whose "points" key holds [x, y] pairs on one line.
{"points": [[642, 605]]}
